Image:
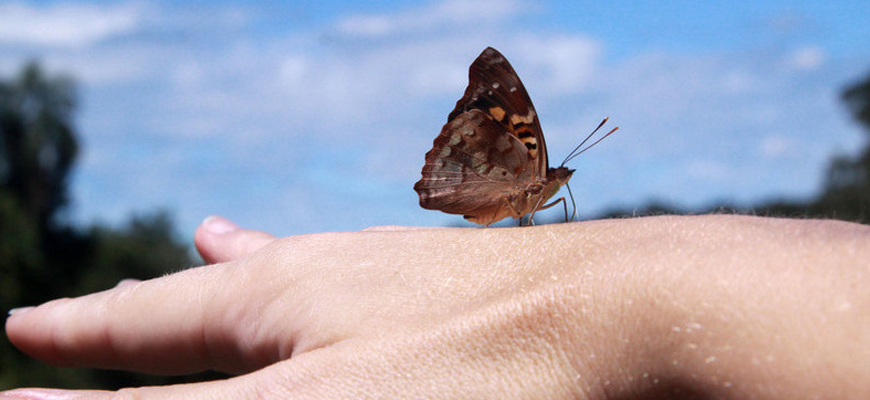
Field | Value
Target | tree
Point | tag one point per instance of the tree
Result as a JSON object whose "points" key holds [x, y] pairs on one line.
{"points": [[847, 185], [39, 145], [857, 99]]}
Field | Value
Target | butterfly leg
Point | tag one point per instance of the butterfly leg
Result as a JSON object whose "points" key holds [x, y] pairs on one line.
{"points": [[537, 207], [561, 199], [531, 221]]}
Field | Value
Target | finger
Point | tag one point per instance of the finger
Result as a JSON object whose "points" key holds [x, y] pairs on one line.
{"points": [[218, 239], [181, 323]]}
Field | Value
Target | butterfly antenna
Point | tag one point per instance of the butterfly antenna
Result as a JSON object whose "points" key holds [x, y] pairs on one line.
{"points": [[575, 152]]}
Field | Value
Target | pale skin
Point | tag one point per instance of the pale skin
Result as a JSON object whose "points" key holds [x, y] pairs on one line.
{"points": [[667, 307]]}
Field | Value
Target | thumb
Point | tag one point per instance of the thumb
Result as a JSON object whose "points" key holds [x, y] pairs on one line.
{"points": [[218, 240]]}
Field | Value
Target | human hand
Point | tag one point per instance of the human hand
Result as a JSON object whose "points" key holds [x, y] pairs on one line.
{"points": [[717, 306]]}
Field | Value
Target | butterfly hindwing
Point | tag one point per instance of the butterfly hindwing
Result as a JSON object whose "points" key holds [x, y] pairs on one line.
{"points": [[473, 164]]}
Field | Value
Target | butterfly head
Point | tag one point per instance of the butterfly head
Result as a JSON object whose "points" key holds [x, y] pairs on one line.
{"points": [[557, 177]]}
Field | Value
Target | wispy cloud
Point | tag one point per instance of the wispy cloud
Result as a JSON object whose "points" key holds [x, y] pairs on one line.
{"points": [[75, 25], [441, 16]]}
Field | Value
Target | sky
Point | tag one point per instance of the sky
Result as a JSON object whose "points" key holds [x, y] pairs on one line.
{"points": [[315, 116]]}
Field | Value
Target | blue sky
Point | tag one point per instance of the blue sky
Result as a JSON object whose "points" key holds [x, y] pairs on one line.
{"points": [[314, 116]]}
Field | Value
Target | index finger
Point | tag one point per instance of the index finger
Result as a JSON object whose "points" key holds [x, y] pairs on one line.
{"points": [[175, 324]]}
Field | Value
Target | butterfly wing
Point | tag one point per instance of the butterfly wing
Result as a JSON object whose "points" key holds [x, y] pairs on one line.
{"points": [[473, 168], [490, 161], [495, 88]]}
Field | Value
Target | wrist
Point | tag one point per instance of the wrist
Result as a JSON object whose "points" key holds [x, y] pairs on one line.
{"points": [[720, 305]]}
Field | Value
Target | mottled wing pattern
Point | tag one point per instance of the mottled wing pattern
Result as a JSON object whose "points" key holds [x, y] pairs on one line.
{"points": [[461, 175], [495, 88]]}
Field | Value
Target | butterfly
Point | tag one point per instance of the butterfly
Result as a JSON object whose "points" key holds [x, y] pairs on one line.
{"points": [[490, 160]]}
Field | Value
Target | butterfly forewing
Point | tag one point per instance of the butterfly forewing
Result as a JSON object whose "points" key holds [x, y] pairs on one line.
{"points": [[495, 88]]}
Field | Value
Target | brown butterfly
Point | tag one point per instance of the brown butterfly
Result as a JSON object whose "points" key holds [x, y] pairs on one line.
{"points": [[490, 161]]}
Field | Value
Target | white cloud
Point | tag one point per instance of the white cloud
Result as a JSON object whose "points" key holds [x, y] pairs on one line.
{"points": [[367, 25], [704, 169], [65, 24], [293, 70], [567, 63], [775, 146], [442, 15], [807, 58]]}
